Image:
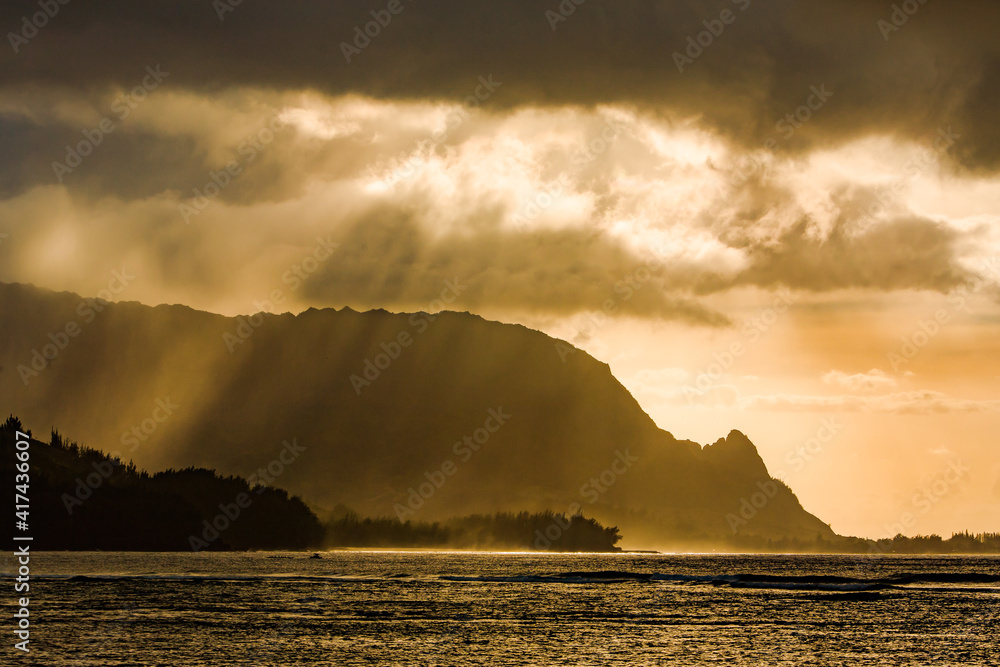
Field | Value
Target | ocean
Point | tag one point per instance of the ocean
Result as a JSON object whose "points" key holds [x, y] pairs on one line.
{"points": [[448, 608]]}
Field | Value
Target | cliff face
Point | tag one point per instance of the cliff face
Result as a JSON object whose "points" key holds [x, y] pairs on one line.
{"points": [[408, 415]]}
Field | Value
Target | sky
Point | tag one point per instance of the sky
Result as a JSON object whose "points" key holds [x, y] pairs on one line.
{"points": [[775, 217]]}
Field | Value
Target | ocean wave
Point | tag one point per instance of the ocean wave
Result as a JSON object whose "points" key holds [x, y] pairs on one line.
{"points": [[830, 583], [928, 581], [945, 578]]}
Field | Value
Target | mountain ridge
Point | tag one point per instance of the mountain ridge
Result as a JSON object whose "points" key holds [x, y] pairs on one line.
{"points": [[432, 380]]}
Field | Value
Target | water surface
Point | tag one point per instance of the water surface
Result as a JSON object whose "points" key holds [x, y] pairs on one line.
{"points": [[439, 608]]}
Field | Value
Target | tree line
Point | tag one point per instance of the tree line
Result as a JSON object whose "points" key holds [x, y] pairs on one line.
{"points": [[84, 499], [522, 531]]}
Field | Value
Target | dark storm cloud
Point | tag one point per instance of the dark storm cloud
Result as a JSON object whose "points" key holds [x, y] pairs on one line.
{"points": [[387, 258], [939, 68], [909, 253], [131, 165], [896, 251], [342, 164]]}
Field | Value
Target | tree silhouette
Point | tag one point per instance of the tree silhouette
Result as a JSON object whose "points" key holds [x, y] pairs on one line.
{"points": [[82, 498]]}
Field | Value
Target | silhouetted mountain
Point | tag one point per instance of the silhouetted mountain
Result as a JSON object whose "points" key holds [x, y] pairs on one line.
{"points": [[82, 499], [386, 408]]}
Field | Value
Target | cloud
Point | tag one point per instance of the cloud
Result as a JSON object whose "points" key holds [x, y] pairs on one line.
{"points": [[538, 210], [390, 258], [661, 376], [901, 253], [873, 380], [760, 69], [664, 386], [913, 403], [716, 396]]}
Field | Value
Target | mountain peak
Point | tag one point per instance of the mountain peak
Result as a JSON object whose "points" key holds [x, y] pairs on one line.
{"points": [[738, 451], [739, 439]]}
